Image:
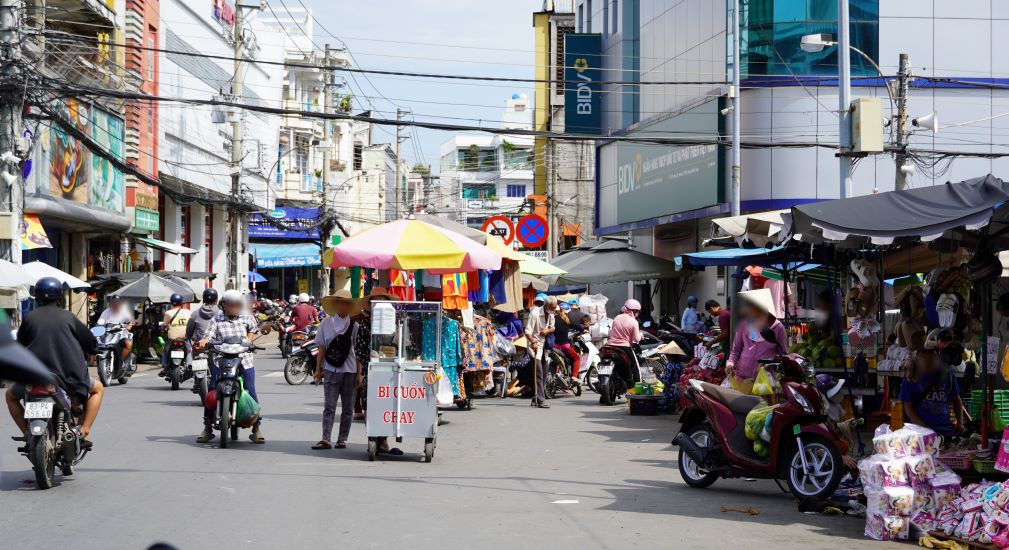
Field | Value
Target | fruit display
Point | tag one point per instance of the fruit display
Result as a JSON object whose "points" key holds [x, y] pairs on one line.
{"points": [[819, 348]]}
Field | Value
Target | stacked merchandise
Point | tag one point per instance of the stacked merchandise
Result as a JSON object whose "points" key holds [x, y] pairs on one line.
{"points": [[977, 513], [903, 484]]}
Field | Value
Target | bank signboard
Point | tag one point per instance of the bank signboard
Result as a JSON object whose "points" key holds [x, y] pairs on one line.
{"points": [[658, 180], [582, 74]]}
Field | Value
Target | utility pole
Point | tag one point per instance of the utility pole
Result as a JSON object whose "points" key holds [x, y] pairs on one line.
{"points": [[844, 97], [399, 213], [552, 202], [234, 273], [324, 227], [11, 186], [903, 81], [735, 110]]}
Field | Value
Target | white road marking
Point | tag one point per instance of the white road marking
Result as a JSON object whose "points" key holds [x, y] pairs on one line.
{"points": [[564, 502], [274, 374]]}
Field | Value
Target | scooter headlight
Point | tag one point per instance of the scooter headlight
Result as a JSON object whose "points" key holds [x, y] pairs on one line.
{"points": [[803, 403]]}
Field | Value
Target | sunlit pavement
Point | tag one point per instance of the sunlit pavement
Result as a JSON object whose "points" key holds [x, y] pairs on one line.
{"points": [[504, 476]]}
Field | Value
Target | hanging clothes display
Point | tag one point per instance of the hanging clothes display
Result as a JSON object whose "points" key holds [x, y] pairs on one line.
{"points": [[454, 291], [479, 286], [478, 345], [451, 351], [401, 285]]}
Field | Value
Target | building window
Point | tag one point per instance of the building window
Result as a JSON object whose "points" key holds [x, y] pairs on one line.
{"points": [[588, 16], [516, 191], [771, 40], [581, 18], [606, 15], [615, 11], [358, 156]]}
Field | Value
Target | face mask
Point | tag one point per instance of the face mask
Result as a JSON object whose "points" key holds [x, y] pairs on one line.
{"points": [[754, 334]]}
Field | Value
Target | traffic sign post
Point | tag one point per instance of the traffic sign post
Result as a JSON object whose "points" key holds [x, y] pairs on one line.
{"points": [[532, 231], [500, 226]]}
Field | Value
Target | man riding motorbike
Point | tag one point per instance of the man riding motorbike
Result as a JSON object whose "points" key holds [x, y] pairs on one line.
{"points": [[174, 324], [304, 314], [118, 314], [232, 322], [198, 322], [60, 341], [624, 333]]}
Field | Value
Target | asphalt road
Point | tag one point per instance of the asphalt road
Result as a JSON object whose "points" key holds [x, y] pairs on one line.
{"points": [[505, 476]]}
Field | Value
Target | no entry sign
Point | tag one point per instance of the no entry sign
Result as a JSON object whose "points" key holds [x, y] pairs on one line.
{"points": [[532, 231], [500, 226]]}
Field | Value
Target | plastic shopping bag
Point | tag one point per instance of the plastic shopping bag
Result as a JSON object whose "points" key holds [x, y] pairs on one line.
{"points": [[248, 409], [1005, 364], [445, 397], [764, 384], [754, 423]]}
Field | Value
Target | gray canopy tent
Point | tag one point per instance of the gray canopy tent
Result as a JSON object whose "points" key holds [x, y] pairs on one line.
{"points": [[611, 262]]}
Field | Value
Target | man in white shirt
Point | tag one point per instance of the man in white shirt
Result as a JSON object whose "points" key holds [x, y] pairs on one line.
{"points": [[338, 368], [539, 325], [119, 314]]}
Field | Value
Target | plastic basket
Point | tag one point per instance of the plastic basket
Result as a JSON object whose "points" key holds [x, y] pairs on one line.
{"points": [[957, 460], [984, 466], [643, 405]]}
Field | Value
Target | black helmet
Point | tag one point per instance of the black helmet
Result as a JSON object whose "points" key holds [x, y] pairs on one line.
{"points": [[210, 296], [48, 290], [176, 299]]}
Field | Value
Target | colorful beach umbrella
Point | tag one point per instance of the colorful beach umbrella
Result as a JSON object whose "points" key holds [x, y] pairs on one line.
{"points": [[412, 244]]}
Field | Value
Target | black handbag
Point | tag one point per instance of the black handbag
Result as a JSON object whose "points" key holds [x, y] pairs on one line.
{"points": [[341, 346]]}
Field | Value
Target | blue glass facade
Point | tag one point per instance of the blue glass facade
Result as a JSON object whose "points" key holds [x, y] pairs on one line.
{"points": [[773, 29]]}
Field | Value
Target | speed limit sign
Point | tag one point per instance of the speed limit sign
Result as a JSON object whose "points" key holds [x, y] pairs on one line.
{"points": [[500, 226]]}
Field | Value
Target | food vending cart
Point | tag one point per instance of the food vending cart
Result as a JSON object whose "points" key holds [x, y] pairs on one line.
{"points": [[403, 373]]}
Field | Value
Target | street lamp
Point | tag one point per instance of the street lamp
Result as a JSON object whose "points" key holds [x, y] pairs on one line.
{"points": [[815, 43]]}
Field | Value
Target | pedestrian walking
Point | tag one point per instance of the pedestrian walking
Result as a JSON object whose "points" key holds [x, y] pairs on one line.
{"points": [[539, 326], [337, 367], [690, 321]]}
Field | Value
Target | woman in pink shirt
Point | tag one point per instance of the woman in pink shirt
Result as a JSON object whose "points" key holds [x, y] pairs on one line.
{"points": [[625, 332], [749, 347]]}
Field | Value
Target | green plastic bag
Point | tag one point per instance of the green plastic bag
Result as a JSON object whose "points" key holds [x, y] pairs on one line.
{"points": [[248, 410], [754, 423]]}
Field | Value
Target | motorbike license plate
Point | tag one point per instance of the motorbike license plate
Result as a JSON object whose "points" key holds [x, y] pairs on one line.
{"points": [[178, 354], [199, 365], [604, 368], [39, 409]]}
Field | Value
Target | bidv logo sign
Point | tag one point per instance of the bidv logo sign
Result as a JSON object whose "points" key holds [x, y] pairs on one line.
{"points": [[582, 113], [629, 175]]}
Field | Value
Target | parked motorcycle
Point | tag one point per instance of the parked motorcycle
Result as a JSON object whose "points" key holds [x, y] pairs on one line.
{"points": [[589, 360], [620, 368], [559, 374], [804, 450], [178, 370], [228, 354], [300, 365], [54, 437], [109, 359], [287, 338]]}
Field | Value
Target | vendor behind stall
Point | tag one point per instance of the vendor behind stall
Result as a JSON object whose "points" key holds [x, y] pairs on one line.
{"points": [[750, 345], [930, 390]]}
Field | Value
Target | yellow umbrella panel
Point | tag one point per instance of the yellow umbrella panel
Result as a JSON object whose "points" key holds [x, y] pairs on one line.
{"points": [[527, 264]]}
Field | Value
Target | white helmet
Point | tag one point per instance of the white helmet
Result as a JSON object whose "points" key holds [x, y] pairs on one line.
{"points": [[232, 295], [292, 298], [632, 305], [303, 297]]}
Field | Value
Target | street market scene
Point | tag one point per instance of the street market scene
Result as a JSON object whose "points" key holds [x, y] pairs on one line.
{"points": [[546, 273]]}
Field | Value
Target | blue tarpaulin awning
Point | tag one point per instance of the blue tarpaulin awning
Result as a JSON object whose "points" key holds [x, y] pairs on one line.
{"points": [[285, 255], [765, 257]]}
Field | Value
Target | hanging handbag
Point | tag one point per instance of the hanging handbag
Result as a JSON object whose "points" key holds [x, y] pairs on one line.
{"points": [[341, 346]]}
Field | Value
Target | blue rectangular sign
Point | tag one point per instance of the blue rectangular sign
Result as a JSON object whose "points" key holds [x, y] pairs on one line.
{"points": [[582, 93], [289, 223]]}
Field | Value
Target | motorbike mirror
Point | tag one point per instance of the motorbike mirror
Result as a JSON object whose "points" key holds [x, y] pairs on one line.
{"points": [[647, 324], [768, 335]]}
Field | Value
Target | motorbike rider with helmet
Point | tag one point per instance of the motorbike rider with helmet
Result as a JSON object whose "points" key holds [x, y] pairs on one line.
{"points": [[624, 333], [234, 321], [60, 340], [173, 324], [198, 322], [304, 314], [118, 314]]}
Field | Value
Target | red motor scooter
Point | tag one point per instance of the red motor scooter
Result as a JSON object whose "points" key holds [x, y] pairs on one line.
{"points": [[804, 450]]}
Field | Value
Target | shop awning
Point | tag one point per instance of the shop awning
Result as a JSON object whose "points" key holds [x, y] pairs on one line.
{"points": [[759, 228], [285, 255], [765, 257], [165, 246], [924, 213]]}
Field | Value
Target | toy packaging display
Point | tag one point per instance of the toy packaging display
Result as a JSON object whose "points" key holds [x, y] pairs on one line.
{"points": [[904, 486], [976, 513]]}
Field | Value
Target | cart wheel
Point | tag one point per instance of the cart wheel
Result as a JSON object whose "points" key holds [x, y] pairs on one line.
{"points": [[429, 449], [372, 449]]}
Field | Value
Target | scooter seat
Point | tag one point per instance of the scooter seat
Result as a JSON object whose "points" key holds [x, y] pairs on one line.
{"points": [[737, 402]]}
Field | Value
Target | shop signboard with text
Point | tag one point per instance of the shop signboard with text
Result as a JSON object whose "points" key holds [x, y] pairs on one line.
{"points": [[658, 180], [582, 92]]}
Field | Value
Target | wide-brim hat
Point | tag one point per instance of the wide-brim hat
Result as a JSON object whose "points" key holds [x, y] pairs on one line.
{"points": [[329, 302], [672, 348], [760, 299], [379, 292]]}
